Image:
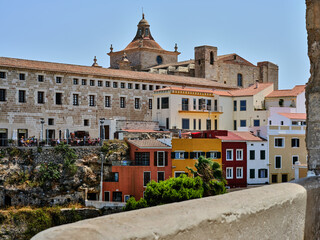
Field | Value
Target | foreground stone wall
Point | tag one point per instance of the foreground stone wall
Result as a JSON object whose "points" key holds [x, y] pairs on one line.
{"points": [[313, 86], [271, 212]]}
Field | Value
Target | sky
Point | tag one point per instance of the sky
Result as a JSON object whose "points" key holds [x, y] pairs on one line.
{"points": [[74, 31]]}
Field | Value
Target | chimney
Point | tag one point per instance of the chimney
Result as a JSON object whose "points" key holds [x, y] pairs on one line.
{"points": [[257, 84]]}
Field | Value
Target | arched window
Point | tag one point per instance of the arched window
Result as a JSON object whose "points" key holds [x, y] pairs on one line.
{"points": [[139, 32], [147, 32], [239, 82], [211, 58]]}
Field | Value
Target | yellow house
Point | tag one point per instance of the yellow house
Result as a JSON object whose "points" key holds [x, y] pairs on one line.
{"points": [[185, 153], [186, 108], [287, 145]]}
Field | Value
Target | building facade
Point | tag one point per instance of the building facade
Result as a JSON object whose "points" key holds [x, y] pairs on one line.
{"points": [[185, 153], [149, 160]]}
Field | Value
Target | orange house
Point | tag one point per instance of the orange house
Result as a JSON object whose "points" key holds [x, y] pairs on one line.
{"points": [[149, 160]]}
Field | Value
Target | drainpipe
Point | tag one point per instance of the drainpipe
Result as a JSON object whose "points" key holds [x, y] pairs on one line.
{"points": [[101, 177]]}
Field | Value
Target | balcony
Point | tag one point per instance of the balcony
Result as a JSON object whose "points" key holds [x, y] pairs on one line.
{"points": [[131, 163], [278, 211], [204, 109]]}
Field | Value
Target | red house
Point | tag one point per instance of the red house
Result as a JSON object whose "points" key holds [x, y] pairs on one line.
{"points": [[149, 160], [234, 159]]}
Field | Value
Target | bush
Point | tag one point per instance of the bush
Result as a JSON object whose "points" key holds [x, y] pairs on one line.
{"points": [[69, 157], [49, 173], [168, 191]]}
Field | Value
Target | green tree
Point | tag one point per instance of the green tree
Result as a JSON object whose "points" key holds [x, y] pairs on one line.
{"points": [[169, 191], [211, 174]]}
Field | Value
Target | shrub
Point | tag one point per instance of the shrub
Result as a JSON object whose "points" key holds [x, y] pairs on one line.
{"points": [[168, 191], [69, 157], [49, 173]]}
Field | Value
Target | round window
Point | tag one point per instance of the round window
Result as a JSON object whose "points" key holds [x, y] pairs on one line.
{"points": [[159, 59]]}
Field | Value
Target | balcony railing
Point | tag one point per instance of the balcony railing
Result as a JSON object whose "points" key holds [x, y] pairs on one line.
{"points": [[204, 108], [131, 163]]}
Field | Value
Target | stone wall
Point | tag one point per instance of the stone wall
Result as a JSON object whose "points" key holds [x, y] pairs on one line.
{"points": [[20, 183], [280, 211], [15, 115], [313, 86]]}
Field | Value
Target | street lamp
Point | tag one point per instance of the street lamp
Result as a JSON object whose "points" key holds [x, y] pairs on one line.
{"points": [[101, 131], [41, 135]]}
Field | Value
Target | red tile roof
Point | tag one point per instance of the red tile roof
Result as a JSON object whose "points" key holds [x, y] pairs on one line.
{"points": [[229, 58], [250, 91], [111, 73], [288, 92], [146, 43], [299, 116], [230, 137], [248, 136], [149, 143], [186, 89]]}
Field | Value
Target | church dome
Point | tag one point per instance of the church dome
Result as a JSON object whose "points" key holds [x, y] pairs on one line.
{"points": [[143, 37]]}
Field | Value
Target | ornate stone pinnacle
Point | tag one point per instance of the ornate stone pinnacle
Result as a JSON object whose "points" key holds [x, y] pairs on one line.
{"points": [[176, 47], [111, 48]]}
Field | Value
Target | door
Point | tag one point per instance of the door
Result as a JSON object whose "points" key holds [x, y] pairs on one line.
{"points": [[284, 177], [3, 137], [107, 196], [22, 135], [106, 132]]}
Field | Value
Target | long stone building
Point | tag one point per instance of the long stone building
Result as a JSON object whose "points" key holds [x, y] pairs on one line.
{"points": [[72, 98]]}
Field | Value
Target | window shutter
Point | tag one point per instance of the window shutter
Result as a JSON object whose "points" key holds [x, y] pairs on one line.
{"points": [[155, 158], [207, 154], [166, 158], [292, 142], [298, 142], [218, 154], [186, 155], [191, 155], [173, 155]]}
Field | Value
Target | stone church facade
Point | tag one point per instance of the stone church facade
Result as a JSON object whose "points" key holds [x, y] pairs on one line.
{"points": [[72, 98]]}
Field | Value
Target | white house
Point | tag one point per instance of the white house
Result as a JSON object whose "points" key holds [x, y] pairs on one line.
{"points": [[257, 158]]}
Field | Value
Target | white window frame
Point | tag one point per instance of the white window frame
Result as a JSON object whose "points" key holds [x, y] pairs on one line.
{"points": [[164, 159], [143, 178], [125, 102], [213, 153], [230, 159], [241, 151], [36, 97], [55, 79], [164, 175], [241, 171], [275, 161], [183, 172], [295, 139], [40, 74], [140, 103], [179, 152], [104, 101], [124, 198], [282, 141], [231, 171], [292, 159], [17, 95], [95, 99]]}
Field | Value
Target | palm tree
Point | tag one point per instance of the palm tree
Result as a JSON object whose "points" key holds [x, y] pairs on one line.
{"points": [[211, 175]]}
